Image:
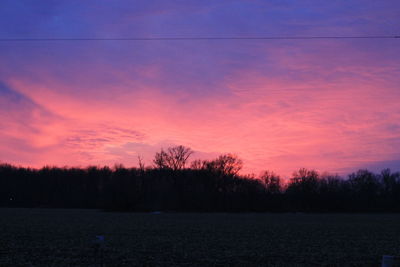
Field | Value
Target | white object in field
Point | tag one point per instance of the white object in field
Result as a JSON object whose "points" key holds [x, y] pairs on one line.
{"points": [[390, 261]]}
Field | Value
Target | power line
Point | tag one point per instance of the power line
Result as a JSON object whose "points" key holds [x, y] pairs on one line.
{"points": [[202, 38]]}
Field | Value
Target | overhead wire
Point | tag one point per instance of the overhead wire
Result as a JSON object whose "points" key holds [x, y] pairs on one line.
{"points": [[201, 38]]}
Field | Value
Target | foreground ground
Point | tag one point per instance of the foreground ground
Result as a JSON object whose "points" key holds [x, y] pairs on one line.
{"points": [[49, 237]]}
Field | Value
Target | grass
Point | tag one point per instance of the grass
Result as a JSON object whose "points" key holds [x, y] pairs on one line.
{"points": [[55, 237]]}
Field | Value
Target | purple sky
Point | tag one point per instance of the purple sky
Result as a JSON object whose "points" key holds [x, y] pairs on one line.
{"points": [[280, 105]]}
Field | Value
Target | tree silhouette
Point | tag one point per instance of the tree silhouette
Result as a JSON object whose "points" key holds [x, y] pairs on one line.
{"points": [[228, 164], [208, 186], [199, 164], [272, 182], [174, 158], [389, 181], [303, 189]]}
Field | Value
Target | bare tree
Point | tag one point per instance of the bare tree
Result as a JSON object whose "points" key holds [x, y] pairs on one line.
{"points": [[305, 175], [272, 182], [199, 164], [228, 164], [174, 158], [141, 163], [389, 180], [305, 182], [160, 160]]}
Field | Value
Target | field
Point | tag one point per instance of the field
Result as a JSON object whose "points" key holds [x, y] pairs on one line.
{"points": [[54, 237]]}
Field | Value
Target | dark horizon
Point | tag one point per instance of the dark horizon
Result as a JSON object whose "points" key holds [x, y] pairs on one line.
{"points": [[206, 186]]}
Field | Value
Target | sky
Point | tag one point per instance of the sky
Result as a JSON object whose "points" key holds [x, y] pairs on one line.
{"points": [[280, 105]]}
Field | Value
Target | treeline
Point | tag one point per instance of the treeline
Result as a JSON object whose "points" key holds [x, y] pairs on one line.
{"points": [[204, 186]]}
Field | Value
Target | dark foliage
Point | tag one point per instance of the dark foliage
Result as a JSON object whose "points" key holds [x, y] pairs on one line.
{"points": [[206, 186]]}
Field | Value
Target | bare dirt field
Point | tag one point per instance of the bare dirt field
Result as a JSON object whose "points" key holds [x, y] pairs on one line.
{"points": [[56, 237]]}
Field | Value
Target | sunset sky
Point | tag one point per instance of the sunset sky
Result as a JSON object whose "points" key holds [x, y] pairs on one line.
{"points": [[328, 104]]}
